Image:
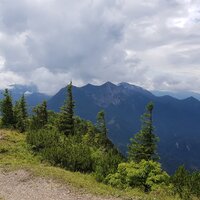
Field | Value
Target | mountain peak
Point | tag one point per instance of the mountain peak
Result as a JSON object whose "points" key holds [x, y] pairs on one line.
{"points": [[129, 86], [108, 84], [191, 99], [134, 88]]}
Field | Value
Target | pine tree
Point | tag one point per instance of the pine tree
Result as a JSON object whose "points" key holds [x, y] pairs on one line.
{"points": [[144, 143], [7, 110], [40, 117], [66, 118], [20, 114]]}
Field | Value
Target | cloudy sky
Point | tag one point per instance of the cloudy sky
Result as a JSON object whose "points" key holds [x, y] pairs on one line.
{"points": [[151, 43]]}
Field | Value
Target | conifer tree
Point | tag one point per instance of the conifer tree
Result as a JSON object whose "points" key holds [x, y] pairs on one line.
{"points": [[101, 123], [182, 183], [103, 139], [23, 106], [20, 114], [40, 118], [66, 118], [7, 110], [144, 143]]}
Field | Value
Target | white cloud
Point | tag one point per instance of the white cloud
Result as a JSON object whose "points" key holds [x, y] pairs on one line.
{"points": [[151, 43]]}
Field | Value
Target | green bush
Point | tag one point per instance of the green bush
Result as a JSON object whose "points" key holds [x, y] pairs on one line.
{"points": [[76, 155], [186, 184], [147, 175], [60, 150], [80, 152], [195, 180], [42, 139], [105, 162]]}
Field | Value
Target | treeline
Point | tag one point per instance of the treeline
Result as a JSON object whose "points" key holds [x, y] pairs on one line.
{"points": [[75, 144]]}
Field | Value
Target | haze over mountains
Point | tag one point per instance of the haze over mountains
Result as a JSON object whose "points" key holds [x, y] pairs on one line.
{"points": [[33, 96], [176, 121], [177, 94]]}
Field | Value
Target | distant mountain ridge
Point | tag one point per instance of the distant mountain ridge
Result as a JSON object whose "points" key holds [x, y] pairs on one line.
{"points": [[177, 94], [33, 97], [176, 121]]}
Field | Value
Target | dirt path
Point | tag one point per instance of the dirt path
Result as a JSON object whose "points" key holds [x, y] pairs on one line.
{"points": [[20, 185]]}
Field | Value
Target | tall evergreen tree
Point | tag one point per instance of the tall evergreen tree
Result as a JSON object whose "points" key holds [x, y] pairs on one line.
{"points": [[103, 139], [40, 117], [20, 114], [144, 143], [101, 123], [23, 106], [66, 118], [7, 110]]}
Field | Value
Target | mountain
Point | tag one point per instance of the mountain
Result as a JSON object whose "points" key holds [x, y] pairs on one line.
{"points": [[33, 97], [177, 94], [176, 121]]}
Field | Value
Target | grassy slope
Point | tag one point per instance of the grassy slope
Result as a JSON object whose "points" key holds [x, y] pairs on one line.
{"points": [[14, 154]]}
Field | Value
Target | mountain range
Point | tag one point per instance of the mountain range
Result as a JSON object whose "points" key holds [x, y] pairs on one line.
{"points": [[176, 121]]}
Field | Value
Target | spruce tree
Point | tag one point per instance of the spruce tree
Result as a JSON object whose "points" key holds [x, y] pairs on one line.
{"points": [[101, 123], [66, 118], [23, 107], [144, 143], [20, 114], [103, 139], [40, 117], [7, 110]]}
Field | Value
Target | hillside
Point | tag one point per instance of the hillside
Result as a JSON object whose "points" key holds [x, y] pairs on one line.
{"points": [[23, 176], [176, 121]]}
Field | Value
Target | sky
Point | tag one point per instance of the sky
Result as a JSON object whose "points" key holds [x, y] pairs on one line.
{"points": [[151, 43]]}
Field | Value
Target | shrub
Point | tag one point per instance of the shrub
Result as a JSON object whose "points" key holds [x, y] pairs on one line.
{"points": [[145, 174], [76, 156], [42, 139], [195, 180], [69, 154], [105, 162], [185, 183]]}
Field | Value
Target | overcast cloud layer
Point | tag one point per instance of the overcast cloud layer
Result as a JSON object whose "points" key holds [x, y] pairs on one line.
{"points": [[151, 43]]}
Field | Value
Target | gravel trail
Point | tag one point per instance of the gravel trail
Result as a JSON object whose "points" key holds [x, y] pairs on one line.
{"points": [[21, 185]]}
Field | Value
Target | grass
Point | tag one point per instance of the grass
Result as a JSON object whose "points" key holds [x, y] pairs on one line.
{"points": [[15, 154]]}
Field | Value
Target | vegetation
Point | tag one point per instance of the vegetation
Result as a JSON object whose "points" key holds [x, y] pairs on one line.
{"points": [[73, 143], [20, 114], [186, 183], [69, 142], [66, 118], [40, 116], [15, 154], [7, 114], [144, 143], [146, 175]]}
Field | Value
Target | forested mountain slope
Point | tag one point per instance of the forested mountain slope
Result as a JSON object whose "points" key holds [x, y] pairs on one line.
{"points": [[176, 121]]}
